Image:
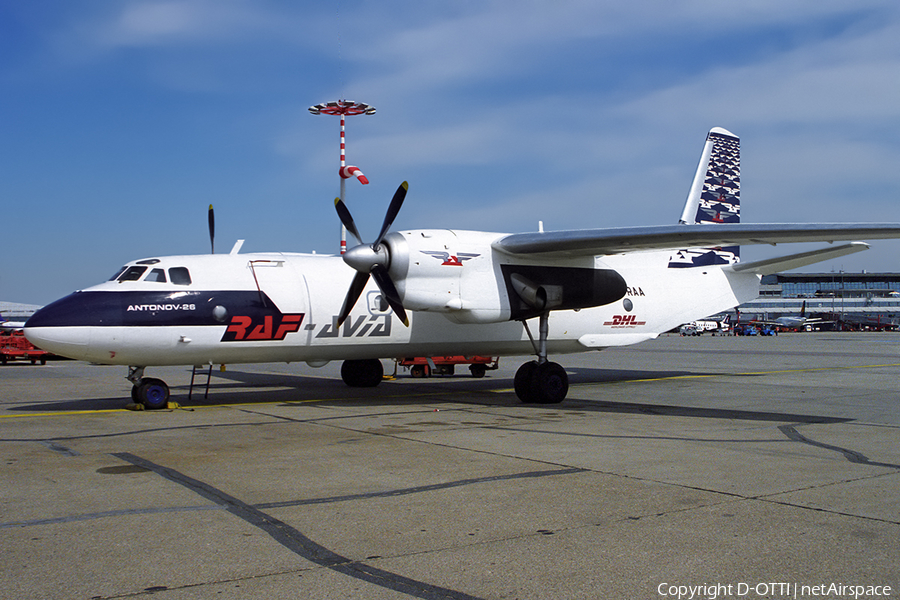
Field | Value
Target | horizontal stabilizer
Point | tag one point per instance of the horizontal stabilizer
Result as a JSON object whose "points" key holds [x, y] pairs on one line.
{"points": [[795, 261]]}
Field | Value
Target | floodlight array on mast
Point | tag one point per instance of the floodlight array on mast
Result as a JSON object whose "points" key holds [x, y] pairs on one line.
{"points": [[343, 108]]}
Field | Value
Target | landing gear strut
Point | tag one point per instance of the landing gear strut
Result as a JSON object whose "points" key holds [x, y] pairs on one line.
{"points": [[541, 381], [151, 392]]}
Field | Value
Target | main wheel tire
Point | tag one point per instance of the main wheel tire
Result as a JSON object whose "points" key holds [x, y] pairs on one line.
{"points": [[525, 382], [551, 383], [153, 393], [362, 373]]}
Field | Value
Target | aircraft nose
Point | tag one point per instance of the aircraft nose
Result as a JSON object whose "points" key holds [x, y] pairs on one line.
{"points": [[57, 328]]}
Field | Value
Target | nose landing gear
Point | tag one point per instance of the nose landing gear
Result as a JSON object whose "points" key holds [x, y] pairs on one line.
{"points": [[151, 392]]}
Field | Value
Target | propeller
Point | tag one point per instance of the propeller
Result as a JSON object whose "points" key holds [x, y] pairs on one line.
{"points": [[371, 259], [212, 230]]}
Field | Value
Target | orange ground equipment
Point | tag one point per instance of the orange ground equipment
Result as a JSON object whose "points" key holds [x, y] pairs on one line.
{"points": [[422, 366], [14, 346]]}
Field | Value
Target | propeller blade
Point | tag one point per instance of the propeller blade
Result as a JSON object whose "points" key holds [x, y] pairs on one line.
{"points": [[393, 209], [212, 230], [356, 288], [371, 259], [389, 290], [346, 219]]}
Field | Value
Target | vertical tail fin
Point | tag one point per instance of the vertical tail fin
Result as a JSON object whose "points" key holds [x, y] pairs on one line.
{"points": [[714, 197]]}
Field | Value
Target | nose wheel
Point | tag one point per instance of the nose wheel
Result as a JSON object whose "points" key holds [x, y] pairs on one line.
{"points": [[151, 392], [541, 381]]}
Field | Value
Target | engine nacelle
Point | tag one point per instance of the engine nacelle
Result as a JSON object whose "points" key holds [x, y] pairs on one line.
{"points": [[535, 289], [449, 272], [459, 274]]}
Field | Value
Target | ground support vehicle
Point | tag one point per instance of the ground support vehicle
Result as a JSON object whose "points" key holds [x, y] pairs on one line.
{"points": [[14, 346], [425, 366]]}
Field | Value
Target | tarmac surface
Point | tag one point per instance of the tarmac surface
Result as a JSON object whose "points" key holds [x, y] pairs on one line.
{"points": [[708, 467]]}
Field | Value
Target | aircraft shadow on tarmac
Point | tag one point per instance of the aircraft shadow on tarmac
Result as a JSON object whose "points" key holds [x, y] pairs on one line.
{"points": [[599, 375], [665, 410], [596, 375], [242, 388], [235, 387]]}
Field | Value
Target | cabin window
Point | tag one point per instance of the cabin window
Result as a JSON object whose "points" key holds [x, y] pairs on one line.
{"points": [[132, 274], [180, 275], [157, 276], [119, 272]]}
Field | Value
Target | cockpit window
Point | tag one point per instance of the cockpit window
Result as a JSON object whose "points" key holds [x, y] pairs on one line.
{"points": [[132, 274], [180, 275], [157, 275], [119, 272]]}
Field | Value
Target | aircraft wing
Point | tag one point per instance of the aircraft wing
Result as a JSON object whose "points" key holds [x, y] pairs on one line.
{"points": [[592, 242]]}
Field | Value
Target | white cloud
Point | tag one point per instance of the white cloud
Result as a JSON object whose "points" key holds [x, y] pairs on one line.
{"points": [[155, 23], [844, 77]]}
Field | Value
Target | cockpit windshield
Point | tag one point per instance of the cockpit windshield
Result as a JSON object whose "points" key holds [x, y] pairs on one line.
{"points": [[177, 275], [157, 275], [119, 272], [132, 274]]}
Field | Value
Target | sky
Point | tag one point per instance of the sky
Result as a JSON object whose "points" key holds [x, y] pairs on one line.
{"points": [[121, 121]]}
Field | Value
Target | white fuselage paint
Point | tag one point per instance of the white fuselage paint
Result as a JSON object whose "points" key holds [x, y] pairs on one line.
{"points": [[458, 305]]}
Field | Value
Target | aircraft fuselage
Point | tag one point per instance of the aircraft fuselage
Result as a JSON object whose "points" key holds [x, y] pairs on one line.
{"points": [[274, 307]]}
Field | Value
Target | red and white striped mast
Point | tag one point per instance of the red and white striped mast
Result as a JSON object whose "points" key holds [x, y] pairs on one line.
{"points": [[344, 108]]}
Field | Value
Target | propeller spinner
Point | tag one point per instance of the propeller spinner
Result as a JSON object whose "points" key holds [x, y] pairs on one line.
{"points": [[372, 259]]}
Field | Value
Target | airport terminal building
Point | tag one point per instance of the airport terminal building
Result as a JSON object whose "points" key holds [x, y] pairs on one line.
{"points": [[849, 300]]}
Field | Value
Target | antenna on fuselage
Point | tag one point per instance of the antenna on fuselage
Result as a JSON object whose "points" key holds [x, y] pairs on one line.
{"points": [[344, 108]]}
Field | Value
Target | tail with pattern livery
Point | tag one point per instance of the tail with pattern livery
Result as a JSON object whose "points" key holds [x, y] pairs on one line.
{"points": [[714, 197]]}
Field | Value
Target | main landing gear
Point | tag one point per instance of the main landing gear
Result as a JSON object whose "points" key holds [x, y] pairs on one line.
{"points": [[541, 381], [151, 392], [362, 373]]}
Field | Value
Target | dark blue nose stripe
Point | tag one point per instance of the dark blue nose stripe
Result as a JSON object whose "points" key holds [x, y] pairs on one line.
{"points": [[149, 309]]}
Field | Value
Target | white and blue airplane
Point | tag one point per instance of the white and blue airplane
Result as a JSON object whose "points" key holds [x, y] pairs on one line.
{"points": [[20, 312], [7, 325], [436, 292], [794, 322]]}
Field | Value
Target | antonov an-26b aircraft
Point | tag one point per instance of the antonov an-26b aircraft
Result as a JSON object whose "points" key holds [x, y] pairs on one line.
{"points": [[438, 292]]}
